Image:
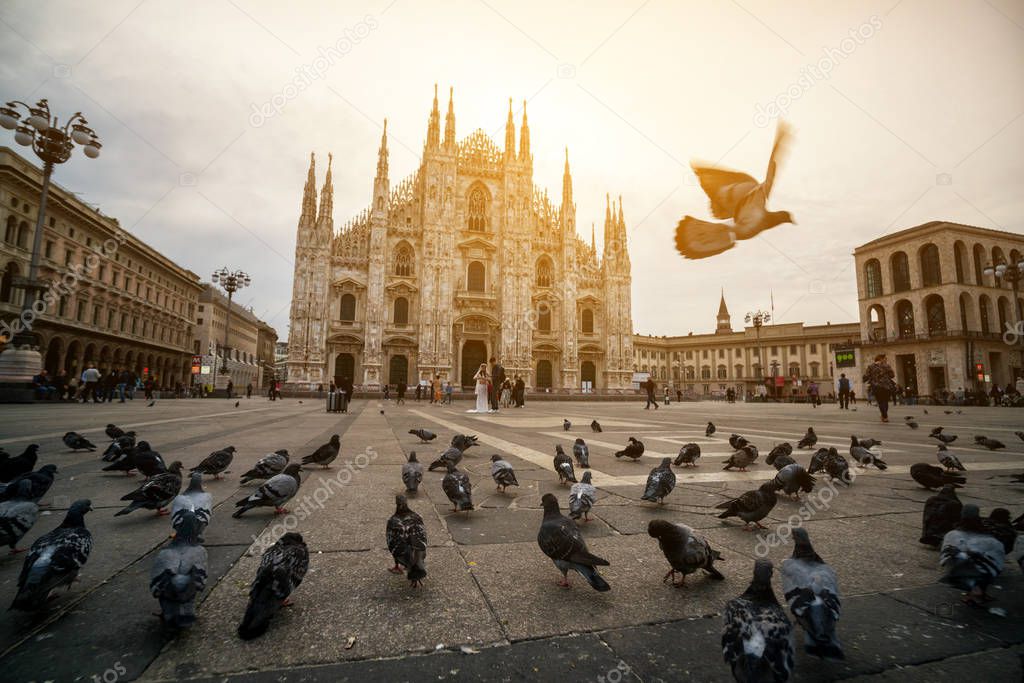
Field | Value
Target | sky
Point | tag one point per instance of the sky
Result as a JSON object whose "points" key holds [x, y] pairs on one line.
{"points": [[903, 112]]}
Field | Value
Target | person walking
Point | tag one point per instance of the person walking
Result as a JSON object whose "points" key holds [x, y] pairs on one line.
{"points": [[448, 389], [520, 392], [248, 390], [90, 378], [812, 392], [400, 389], [497, 380], [879, 376], [651, 400], [482, 398], [844, 392]]}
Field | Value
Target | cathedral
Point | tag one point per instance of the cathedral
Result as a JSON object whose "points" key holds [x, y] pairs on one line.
{"points": [[464, 260]]}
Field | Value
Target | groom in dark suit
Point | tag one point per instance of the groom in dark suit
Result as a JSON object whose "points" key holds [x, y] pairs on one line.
{"points": [[497, 379]]}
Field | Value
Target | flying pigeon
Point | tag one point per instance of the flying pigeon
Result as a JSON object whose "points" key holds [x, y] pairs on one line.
{"points": [[114, 432], [502, 473], [811, 589], [563, 466], [276, 492], [909, 421], [155, 493], [660, 482], [991, 444], [932, 477], [54, 559], [783, 449], [193, 501], [685, 549], [18, 513], [566, 425], [741, 458], [792, 479], [451, 455], [818, 461], [948, 460], [940, 515], [971, 556], [407, 542], [463, 442], [77, 442], [865, 457], [752, 506], [866, 443], [282, 569], [757, 637], [595, 426], [581, 453], [268, 466], [412, 473], [146, 460], [216, 462], [689, 454], [324, 455], [582, 497], [737, 441], [457, 487], [710, 429], [634, 449], [810, 438], [733, 195], [424, 435], [179, 573], [119, 446], [39, 482], [560, 539]]}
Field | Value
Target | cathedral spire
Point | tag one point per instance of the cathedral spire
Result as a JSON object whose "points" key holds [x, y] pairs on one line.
{"points": [[510, 134], [308, 214], [593, 242], [382, 154], [434, 125], [449, 121], [621, 222], [567, 204], [524, 138], [326, 217], [609, 234]]}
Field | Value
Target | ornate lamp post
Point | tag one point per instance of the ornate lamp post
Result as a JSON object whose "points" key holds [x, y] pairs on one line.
{"points": [[757, 319], [1013, 273], [230, 282]]}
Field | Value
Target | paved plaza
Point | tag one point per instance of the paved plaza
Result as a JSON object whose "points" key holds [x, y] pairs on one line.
{"points": [[490, 607]]}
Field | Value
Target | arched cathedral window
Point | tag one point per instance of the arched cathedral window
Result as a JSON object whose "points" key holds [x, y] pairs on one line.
{"points": [[544, 272], [348, 307], [477, 210], [403, 260]]}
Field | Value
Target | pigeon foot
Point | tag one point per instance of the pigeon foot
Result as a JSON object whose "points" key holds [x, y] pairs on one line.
{"points": [[397, 569]]}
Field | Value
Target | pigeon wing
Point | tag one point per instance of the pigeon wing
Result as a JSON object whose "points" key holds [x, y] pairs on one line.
{"points": [[697, 239], [725, 188]]}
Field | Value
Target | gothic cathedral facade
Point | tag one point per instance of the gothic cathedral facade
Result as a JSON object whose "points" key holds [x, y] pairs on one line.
{"points": [[464, 260]]}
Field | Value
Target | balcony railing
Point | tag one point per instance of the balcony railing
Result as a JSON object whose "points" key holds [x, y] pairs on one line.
{"points": [[876, 339]]}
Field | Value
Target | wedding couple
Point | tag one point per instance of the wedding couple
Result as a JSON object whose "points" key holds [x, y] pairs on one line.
{"points": [[488, 386]]}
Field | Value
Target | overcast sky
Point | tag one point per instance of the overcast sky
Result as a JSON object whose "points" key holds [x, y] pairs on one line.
{"points": [[903, 111]]}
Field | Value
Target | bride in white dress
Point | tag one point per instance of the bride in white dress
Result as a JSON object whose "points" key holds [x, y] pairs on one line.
{"points": [[481, 378]]}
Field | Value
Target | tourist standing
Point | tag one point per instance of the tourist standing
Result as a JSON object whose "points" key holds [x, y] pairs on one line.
{"points": [[879, 376], [482, 399], [649, 388], [90, 378], [844, 391], [520, 392], [248, 390], [400, 388], [497, 380], [812, 392]]}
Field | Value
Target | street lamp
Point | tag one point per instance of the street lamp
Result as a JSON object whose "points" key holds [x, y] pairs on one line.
{"points": [[230, 282], [757, 319], [1014, 273]]}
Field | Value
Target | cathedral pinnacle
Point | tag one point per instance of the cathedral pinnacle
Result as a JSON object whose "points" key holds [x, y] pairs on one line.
{"points": [[510, 134], [308, 213], [382, 154], [325, 218], [449, 122], [524, 139], [434, 125]]}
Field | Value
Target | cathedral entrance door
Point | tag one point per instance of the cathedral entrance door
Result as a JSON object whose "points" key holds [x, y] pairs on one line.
{"points": [[344, 366], [474, 352], [398, 369], [588, 373], [544, 374]]}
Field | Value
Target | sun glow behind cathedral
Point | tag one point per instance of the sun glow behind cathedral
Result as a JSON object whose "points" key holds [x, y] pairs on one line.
{"points": [[464, 260]]}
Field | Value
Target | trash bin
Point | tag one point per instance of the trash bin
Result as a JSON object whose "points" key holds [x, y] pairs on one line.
{"points": [[337, 402]]}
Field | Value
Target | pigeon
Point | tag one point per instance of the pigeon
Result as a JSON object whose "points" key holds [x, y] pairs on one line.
{"points": [[39, 482], [836, 467], [792, 479], [971, 556], [18, 513], [560, 539], [940, 515], [458, 488], [566, 425], [782, 449], [452, 455], [407, 542], [865, 457], [660, 482], [991, 444], [999, 525], [463, 442], [925, 411], [151, 404], [179, 573], [324, 455], [689, 454], [948, 412], [582, 497], [944, 438], [193, 501], [1019, 435], [909, 421], [810, 438], [119, 446], [811, 589], [282, 569], [948, 460], [685, 549], [581, 453], [634, 449], [866, 443], [710, 429], [595, 426], [114, 432], [77, 442], [55, 559], [123, 461], [424, 435], [155, 493], [276, 492], [737, 441], [932, 477], [818, 461], [146, 460], [741, 458], [216, 462], [733, 195], [757, 637], [563, 466], [412, 473], [502, 473], [268, 466], [238, 403], [783, 461], [752, 506]]}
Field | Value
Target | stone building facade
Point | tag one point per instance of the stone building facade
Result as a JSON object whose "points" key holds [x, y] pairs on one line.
{"points": [[248, 338], [116, 301], [464, 260]]}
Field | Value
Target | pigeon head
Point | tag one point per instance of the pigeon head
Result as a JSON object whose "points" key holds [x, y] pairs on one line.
{"points": [[558, 448], [450, 466], [580, 441], [142, 445], [1001, 515], [76, 514], [175, 467], [763, 570], [291, 538], [49, 469], [412, 456], [495, 458], [32, 448], [293, 469], [229, 449], [768, 486], [401, 505], [550, 504], [773, 218], [970, 519], [802, 547], [283, 451], [586, 477], [195, 481], [659, 528], [110, 426], [666, 463], [81, 506], [335, 440]]}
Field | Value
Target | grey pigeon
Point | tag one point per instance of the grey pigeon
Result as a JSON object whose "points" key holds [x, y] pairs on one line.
{"points": [[274, 492], [560, 539], [119, 446], [412, 473], [19, 464], [836, 466], [782, 461], [633, 450], [783, 449], [685, 549], [792, 479], [39, 482], [582, 497], [864, 457], [595, 426], [18, 513], [451, 455], [281, 570], [502, 473], [123, 460], [742, 458], [458, 488], [581, 452], [932, 477], [563, 466], [324, 455], [757, 640], [811, 588], [55, 559], [752, 506], [991, 444], [268, 466], [940, 515], [146, 460], [660, 482], [866, 443], [818, 461], [737, 441], [216, 462], [155, 493], [424, 435], [77, 442], [407, 542], [114, 432], [179, 573], [999, 525], [566, 425], [810, 438], [909, 421], [193, 501], [944, 438], [1019, 435], [689, 454], [464, 442], [971, 557], [710, 429], [948, 460]]}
